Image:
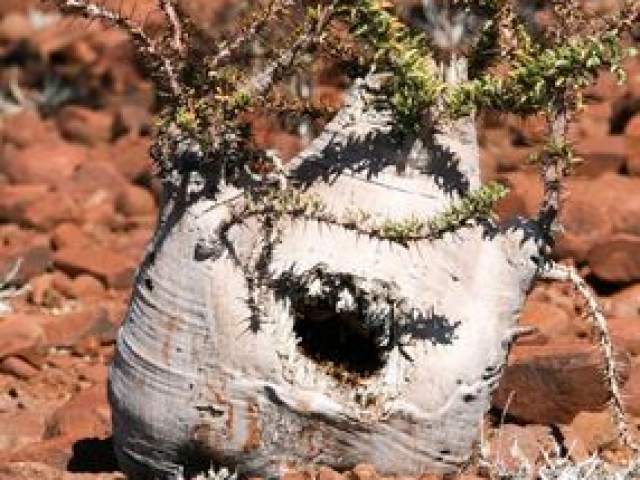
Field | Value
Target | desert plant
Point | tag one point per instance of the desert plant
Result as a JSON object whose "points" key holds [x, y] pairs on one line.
{"points": [[358, 302]]}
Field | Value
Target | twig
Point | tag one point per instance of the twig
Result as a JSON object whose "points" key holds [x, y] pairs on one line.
{"points": [[145, 43], [554, 170], [275, 7], [175, 25], [259, 84], [554, 271]]}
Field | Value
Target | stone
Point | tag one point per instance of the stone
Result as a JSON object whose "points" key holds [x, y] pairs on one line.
{"points": [[600, 155], [363, 471], [21, 428], [18, 367], [632, 128], [28, 128], [68, 329], [15, 198], [114, 270], [589, 433], [617, 259], [50, 210], [86, 286], [130, 156], [20, 336], [553, 383], [525, 194], [326, 473], [135, 201], [33, 255], [43, 294], [86, 415], [631, 392], [625, 303], [583, 225], [511, 445], [69, 235], [133, 120], [83, 125], [15, 26], [43, 163], [625, 334], [551, 321], [633, 164], [592, 122]]}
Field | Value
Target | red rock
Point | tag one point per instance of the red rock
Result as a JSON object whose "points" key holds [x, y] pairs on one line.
{"points": [[600, 155], [33, 255], [631, 392], [21, 428], [632, 129], [363, 471], [66, 330], [50, 210], [43, 293], [589, 432], [625, 333], [27, 128], [593, 122], [624, 204], [513, 444], [616, 259], [135, 201], [526, 190], [111, 268], [69, 235], [583, 226], [633, 164], [86, 286], [20, 336], [56, 452], [326, 473], [130, 156], [18, 367], [43, 163], [82, 125], [14, 27], [133, 120], [551, 321], [553, 383], [92, 176], [86, 415], [625, 303], [15, 198]]}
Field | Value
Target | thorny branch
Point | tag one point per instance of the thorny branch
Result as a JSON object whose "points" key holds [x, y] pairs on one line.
{"points": [[553, 170], [275, 7], [554, 271], [259, 84], [147, 46], [175, 25]]}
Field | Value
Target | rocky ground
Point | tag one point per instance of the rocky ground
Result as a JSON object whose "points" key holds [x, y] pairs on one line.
{"points": [[78, 204]]}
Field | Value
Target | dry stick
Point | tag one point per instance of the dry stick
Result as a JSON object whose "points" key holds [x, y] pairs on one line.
{"points": [[554, 170], [177, 32], [554, 271], [147, 45], [275, 7], [259, 84]]}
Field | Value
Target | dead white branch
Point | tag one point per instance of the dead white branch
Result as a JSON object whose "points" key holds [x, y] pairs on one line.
{"points": [[563, 273]]}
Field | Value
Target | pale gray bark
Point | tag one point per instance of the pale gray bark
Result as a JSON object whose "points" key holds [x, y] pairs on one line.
{"points": [[209, 366]]}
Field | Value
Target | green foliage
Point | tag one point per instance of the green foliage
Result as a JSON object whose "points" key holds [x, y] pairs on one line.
{"points": [[414, 86], [274, 204], [540, 77]]}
